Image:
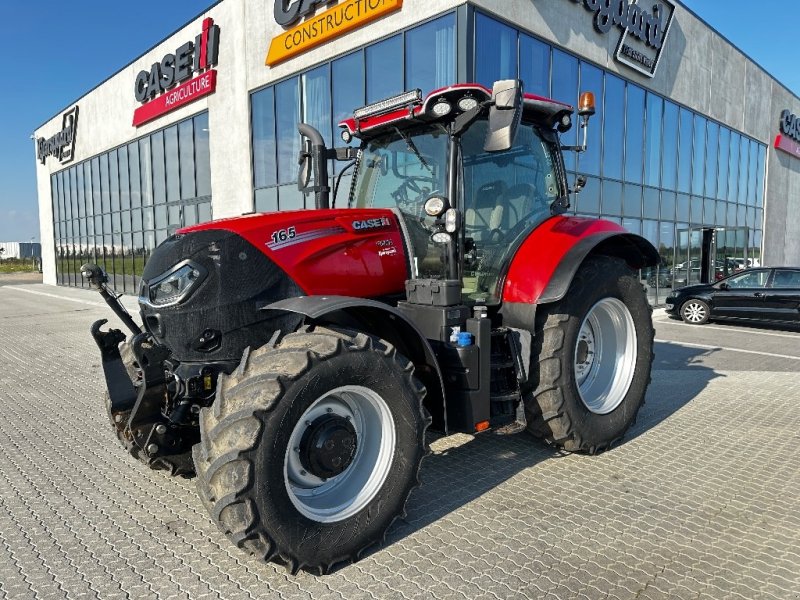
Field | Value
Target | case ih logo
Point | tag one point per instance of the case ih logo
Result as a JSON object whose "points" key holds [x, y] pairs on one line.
{"points": [[371, 223], [156, 87], [62, 144], [788, 139], [644, 24]]}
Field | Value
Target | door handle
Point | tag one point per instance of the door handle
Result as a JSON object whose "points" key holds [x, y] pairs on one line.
{"points": [[759, 295]]}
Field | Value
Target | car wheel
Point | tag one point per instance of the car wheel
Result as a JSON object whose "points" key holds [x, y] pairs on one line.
{"points": [[695, 312]]}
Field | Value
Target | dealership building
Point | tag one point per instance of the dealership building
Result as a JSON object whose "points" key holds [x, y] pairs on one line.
{"points": [[694, 146]]}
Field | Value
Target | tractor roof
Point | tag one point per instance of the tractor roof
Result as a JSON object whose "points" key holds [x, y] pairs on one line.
{"points": [[410, 108]]}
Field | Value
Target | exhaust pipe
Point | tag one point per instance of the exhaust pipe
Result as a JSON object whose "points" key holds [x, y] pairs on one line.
{"points": [[314, 154]]}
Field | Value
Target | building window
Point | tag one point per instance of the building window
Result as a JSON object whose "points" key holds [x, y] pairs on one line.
{"points": [[495, 51], [422, 57], [114, 208], [642, 150]]}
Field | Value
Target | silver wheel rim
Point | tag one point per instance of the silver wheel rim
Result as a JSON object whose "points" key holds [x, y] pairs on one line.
{"points": [[341, 497], [694, 312], [605, 356]]}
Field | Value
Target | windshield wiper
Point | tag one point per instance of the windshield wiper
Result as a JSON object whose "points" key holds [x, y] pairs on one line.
{"points": [[413, 147]]}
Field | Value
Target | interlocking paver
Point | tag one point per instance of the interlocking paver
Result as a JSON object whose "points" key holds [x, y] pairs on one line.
{"points": [[700, 501]]}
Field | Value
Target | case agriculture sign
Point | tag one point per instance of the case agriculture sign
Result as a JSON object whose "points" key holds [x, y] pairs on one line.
{"points": [[62, 144], [179, 78], [644, 25], [788, 139], [318, 29]]}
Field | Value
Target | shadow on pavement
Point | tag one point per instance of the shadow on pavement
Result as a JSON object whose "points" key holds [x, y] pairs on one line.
{"points": [[475, 465], [679, 375]]}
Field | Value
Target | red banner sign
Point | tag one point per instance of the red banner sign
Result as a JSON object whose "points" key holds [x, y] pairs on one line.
{"points": [[788, 145], [187, 92]]}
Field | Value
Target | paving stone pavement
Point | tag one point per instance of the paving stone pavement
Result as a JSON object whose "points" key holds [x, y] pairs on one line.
{"points": [[701, 501]]}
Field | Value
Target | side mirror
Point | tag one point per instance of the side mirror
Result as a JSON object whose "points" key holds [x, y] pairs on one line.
{"points": [[504, 116], [724, 286]]}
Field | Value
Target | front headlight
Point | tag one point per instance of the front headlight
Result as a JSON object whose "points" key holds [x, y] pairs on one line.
{"points": [[173, 286]]}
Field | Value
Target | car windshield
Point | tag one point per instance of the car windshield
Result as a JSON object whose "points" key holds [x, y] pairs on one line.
{"points": [[402, 170]]}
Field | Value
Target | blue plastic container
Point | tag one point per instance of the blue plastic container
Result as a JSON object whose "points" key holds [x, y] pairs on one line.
{"points": [[465, 339]]}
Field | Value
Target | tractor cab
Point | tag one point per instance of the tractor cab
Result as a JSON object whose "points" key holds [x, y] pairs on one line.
{"points": [[471, 172]]}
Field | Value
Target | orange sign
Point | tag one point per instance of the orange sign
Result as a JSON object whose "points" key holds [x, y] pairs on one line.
{"points": [[331, 24]]}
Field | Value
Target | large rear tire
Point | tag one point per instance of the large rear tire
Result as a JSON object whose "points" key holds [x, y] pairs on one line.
{"points": [[312, 448], [592, 355]]}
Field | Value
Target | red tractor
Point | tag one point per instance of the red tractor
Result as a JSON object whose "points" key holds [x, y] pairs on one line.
{"points": [[293, 361]]}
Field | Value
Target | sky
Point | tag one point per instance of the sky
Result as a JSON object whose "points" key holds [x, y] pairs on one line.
{"points": [[55, 51]]}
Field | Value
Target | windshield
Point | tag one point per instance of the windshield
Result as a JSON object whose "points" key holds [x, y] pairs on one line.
{"points": [[402, 170]]}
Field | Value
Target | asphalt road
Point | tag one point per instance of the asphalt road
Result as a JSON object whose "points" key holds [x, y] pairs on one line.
{"points": [[700, 501]]}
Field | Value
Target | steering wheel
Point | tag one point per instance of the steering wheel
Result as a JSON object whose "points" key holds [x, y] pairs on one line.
{"points": [[414, 185]]}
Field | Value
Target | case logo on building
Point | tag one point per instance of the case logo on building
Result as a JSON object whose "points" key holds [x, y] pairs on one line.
{"points": [[179, 78], [788, 139], [62, 144], [644, 32], [317, 30]]}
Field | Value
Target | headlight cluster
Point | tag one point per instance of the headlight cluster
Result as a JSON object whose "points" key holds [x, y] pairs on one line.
{"points": [[173, 286]]}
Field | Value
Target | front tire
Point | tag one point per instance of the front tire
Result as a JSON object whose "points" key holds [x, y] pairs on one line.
{"points": [[312, 448], [593, 352]]}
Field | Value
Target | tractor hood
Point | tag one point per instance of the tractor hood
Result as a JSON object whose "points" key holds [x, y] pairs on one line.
{"points": [[203, 288], [347, 252]]}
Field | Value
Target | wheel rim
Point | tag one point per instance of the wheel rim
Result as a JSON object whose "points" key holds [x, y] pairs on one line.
{"points": [[605, 356], [694, 312], [371, 427]]}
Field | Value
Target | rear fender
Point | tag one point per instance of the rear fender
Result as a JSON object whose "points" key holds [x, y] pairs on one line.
{"points": [[385, 322], [543, 267]]}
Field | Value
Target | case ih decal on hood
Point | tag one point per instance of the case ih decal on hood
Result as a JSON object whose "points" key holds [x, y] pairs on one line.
{"points": [[190, 58], [371, 223]]}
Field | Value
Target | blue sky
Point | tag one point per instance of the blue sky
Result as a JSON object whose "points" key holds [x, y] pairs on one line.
{"points": [[55, 51]]}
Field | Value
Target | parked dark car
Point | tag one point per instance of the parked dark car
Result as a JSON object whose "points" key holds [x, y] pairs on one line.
{"points": [[763, 294]]}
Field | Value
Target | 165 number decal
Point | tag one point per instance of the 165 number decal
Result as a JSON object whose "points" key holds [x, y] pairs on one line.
{"points": [[284, 234]]}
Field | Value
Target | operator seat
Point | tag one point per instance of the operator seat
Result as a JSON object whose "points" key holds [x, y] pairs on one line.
{"points": [[485, 211], [521, 200]]}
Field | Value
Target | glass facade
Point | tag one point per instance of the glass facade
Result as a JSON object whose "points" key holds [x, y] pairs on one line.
{"points": [[113, 209], [422, 57], [659, 169]]}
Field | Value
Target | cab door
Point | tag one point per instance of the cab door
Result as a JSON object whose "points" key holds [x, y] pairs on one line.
{"points": [[506, 195], [743, 295]]}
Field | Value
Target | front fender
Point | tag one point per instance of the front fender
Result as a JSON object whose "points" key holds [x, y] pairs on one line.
{"points": [[385, 322], [543, 267]]}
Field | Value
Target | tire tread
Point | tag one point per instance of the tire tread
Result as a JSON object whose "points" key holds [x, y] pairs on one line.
{"points": [[237, 405]]}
